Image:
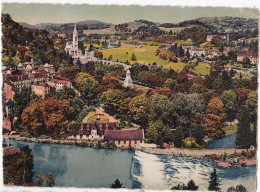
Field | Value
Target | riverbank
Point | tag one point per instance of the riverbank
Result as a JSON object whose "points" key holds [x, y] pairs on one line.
{"points": [[157, 151], [192, 152]]}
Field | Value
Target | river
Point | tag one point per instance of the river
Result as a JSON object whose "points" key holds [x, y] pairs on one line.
{"points": [[85, 167], [228, 141]]}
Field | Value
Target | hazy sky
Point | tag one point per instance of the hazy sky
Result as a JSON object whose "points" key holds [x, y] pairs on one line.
{"points": [[51, 13]]}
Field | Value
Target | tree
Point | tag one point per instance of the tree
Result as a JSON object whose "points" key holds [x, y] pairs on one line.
{"points": [[171, 84], [109, 82], [241, 95], [199, 134], [239, 188], [46, 116], [87, 85], [229, 101], [18, 168], [246, 61], [192, 186], [252, 104], [50, 180], [69, 71], [98, 54], [40, 179], [179, 187], [32, 118], [214, 118], [116, 184], [214, 183], [157, 132], [21, 99], [110, 58], [243, 139], [187, 110], [178, 137], [112, 99], [138, 107], [133, 57], [160, 108]]}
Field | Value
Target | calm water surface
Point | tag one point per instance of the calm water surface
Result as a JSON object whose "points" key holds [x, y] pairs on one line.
{"points": [[227, 141], [77, 166]]}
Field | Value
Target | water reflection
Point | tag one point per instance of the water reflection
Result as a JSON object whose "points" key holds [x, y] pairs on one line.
{"points": [[85, 167], [227, 141], [77, 166]]}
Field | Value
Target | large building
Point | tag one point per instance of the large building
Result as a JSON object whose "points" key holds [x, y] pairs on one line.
{"points": [[252, 55], [100, 126], [73, 50], [41, 78]]}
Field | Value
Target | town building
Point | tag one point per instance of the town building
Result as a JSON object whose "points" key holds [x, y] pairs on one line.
{"points": [[252, 55], [62, 35], [41, 78], [194, 51], [210, 37], [132, 137], [90, 130], [6, 125]]}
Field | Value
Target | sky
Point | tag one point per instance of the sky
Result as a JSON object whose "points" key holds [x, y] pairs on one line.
{"points": [[66, 13]]}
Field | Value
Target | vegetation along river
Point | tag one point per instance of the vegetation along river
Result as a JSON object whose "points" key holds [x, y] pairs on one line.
{"points": [[86, 167]]}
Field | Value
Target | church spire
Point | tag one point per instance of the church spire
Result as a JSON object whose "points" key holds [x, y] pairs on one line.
{"points": [[75, 29]]}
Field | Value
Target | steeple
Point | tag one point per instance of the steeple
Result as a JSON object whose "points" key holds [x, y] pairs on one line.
{"points": [[75, 41], [75, 29]]}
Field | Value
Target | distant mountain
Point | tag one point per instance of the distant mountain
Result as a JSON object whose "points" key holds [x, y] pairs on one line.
{"points": [[50, 26], [27, 25]]}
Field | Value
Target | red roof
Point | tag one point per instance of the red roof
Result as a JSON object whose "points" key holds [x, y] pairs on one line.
{"points": [[62, 78], [53, 33], [61, 81], [246, 53], [190, 77], [42, 71], [69, 42], [128, 134], [11, 150]]}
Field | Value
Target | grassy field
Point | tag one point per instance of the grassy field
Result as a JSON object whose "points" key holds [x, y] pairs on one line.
{"points": [[147, 54], [94, 117], [230, 129], [202, 69], [183, 42], [143, 54]]}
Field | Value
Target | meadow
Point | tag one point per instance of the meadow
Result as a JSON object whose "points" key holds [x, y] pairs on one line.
{"points": [[147, 54]]}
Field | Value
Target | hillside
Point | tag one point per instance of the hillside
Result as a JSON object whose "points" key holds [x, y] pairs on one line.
{"points": [[91, 24], [39, 47]]}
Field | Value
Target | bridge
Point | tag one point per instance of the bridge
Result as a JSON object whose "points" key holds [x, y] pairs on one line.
{"points": [[111, 63]]}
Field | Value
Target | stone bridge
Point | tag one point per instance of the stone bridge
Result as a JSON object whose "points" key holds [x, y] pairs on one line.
{"points": [[126, 67]]}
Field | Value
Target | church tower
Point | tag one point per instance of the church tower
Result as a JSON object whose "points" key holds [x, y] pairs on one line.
{"points": [[75, 40]]}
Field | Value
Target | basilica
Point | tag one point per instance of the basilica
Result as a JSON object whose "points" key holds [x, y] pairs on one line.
{"points": [[73, 50]]}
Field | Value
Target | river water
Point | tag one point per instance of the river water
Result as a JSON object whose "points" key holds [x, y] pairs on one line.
{"points": [[228, 141], [85, 167]]}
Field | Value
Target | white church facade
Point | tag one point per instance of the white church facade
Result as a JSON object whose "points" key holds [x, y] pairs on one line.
{"points": [[73, 50]]}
